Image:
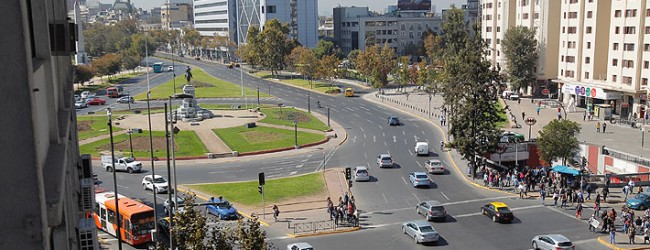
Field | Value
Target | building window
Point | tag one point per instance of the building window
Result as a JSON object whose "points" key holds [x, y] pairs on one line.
{"points": [[270, 9], [488, 29], [644, 81], [498, 28], [570, 59], [617, 30], [628, 47], [613, 78], [525, 16], [630, 30], [586, 75], [563, 30], [589, 14], [614, 62], [627, 80], [588, 29], [647, 12], [573, 30], [615, 46], [628, 64], [646, 47], [630, 13], [536, 15], [646, 64], [588, 45], [617, 13], [587, 60]]}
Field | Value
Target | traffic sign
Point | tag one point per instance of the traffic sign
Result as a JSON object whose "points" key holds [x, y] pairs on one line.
{"points": [[545, 92], [531, 121]]}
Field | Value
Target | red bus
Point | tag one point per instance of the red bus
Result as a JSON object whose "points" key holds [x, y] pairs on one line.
{"points": [[137, 218]]}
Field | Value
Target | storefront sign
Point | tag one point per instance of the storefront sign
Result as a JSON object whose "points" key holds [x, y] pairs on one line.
{"points": [[591, 92]]}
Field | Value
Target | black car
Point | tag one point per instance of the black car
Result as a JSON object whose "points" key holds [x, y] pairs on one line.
{"points": [[498, 211], [393, 121]]}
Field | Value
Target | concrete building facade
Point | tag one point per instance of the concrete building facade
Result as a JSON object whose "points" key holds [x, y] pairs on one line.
{"points": [[173, 15], [498, 19], [46, 189]]}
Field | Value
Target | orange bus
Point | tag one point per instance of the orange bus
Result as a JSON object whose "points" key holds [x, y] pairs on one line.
{"points": [[137, 218]]}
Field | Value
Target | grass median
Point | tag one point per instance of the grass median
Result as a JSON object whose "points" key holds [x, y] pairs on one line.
{"points": [[206, 86], [286, 116], [275, 190], [92, 126], [261, 138], [298, 80], [187, 143]]}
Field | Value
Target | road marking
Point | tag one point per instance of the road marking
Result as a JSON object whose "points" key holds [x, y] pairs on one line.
{"points": [[383, 134], [416, 161], [357, 115], [410, 152], [405, 142], [415, 137], [364, 135], [293, 172], [416, 197], [394, 138], [300, 165], [423, 132], [364, 108], [443, 194], [380, 127], [369, 121], [122, 186], [227, 171], [374, 138], [385, 144], [306, 159], [385, 199], [361, 128], [354, 139], [404, 180], [365, 155]]}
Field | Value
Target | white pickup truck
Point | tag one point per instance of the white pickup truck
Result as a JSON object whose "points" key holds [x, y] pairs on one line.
{"points": [[121, 163]]}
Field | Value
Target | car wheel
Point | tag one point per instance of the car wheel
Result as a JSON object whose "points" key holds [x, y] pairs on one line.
{"points": [[109, 169], [642, 208], [494, 218], [144, 186], [403, 230], [417, 210], [129, 170], [535, 245], [483, 211], [415, 237]]}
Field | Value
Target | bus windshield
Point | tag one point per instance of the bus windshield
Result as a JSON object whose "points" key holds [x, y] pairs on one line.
{"points": [[142, 223]]}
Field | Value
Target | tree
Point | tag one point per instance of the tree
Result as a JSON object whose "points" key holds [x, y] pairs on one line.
{"points": [[252, 52], [401, 73], [521, 51], [130, 60], [107, 64], [557, 140], [323, 48], [305, 62], [376, 62], [275, 45], [191, 38], [83, 73], [189, 227], [328, 68], [250, 235]]}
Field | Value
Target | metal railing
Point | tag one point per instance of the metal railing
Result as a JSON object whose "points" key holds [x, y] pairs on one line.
{"points": [[315, 226], [626, 157]]}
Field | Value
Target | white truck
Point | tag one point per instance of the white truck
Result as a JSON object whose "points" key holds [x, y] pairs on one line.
{"points": [[421, 148], [127, 164]]}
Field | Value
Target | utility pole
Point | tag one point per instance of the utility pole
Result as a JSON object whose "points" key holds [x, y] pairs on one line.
{"points": [[118, 233]]}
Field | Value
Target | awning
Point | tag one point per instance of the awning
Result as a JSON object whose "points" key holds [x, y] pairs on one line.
{"points": [[566, 170]]}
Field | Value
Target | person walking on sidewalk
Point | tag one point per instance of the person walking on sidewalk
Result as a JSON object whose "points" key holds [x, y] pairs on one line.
{"points": [[276, 212], [556, 195], [584, 116], [598, 127], [605, 192], [593, 224], [579, 211], [631, 232], [523, 116], [537, 109], [612, 234], [542, 194], [604, 127]]}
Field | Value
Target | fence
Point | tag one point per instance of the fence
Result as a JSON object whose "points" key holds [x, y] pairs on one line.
{"points": [[315, 226]]}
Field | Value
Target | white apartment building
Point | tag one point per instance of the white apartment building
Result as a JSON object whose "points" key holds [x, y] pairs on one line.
{"points": [[604, 59], [542, 16], [216, 17], [302, 17]]}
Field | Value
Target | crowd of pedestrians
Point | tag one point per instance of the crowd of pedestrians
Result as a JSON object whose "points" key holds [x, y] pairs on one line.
{"points": [[345, 211]]}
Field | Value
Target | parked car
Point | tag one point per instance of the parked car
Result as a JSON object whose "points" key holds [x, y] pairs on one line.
{"points": [[80, 104], [552, 242], [163, 226], [157, 181], [84, 94], [432, 210], [419, 179], [421, 231], [514, 96], [434, 166], [393, 121], [126, 99], [384, 160], [231, 65], [170, 68], [77, 98], [498, 211], [96, 101], [169, 206], [361, 173], [639, 202], [221, 208], [300, 246]]}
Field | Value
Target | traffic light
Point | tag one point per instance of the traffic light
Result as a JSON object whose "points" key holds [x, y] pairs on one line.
{"points": [[260, 189], [261, 178], [348, 173]]}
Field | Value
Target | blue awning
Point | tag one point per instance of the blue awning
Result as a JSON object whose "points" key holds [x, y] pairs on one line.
{"points": [[566, 170]]}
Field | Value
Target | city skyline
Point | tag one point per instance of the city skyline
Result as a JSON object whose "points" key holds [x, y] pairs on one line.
{"points": [[324, 6]]}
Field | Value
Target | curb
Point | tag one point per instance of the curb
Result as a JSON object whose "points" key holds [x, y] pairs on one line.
{"points": [[612, 246], [324, 233], [344, 138]]}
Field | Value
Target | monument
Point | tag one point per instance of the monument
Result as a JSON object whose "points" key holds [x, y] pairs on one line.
{"points": [[190, 110]]}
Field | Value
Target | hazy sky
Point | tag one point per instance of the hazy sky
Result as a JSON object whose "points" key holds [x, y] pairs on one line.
{"points": [[324, 6]]}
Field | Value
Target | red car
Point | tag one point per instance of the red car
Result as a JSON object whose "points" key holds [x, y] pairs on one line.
{"points": [[96, 101]]}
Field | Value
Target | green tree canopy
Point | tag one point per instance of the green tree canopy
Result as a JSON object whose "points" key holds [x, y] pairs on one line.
{"points": [[521, 51], [83, 73], [557, 140], [305, 62], [376, 63], [323, 48]]}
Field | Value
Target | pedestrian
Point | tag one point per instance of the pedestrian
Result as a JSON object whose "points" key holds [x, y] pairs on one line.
{"points": [[555, 197], [523, 116], [559, 115], [346, 198], [604, 127], [598, 127], [605, 192], [564, 200], [612, 235], [519, 101], [584, 116], [485, 179], [631, 232], [537, 109], [276, 212], [579, 211], [542, 194], [626, 190], [640, 190], [522, 189], [593, 224]]}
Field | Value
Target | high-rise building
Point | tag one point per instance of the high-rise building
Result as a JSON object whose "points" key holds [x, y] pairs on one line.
{"points": [[46, 189], [497, 18], [300, 15], [173, 15]]}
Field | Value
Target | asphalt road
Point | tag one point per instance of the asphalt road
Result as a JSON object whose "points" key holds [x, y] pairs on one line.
{"points": [[388, 198]]}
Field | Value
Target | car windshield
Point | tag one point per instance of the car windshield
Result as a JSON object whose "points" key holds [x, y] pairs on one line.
{"points": [[435, 163], [440, 208], [642, 196], [128, 160], [386, 159], [426, 229], [159, 180], [420, 176], [362, 171], [503, 210], [223, 204]]}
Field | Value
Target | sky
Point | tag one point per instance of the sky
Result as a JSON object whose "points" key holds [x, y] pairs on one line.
{"points": [[324, 6]]}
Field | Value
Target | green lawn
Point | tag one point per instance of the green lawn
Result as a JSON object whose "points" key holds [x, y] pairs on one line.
{"points": [[275, 190], [502, 114], [210, 106], [105, 83], [187, 144], [285, 117], [298, 80], [259, 138], [206, 86], [92, 125]]}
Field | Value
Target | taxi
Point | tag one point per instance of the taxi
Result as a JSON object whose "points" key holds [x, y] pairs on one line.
{"points": [[349, 92], [498, 211]]}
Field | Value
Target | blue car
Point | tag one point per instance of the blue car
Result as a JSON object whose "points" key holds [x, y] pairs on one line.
{"points": [[639, 202], [221, 208]]}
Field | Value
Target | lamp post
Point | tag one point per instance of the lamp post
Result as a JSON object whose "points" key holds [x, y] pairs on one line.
{"points": [[328, 115], [308, 103], [429, 112], [153, 169], [258, 95], [295, 133], [173, 71], [169, 193], [117, 207], [131, 142], [174, 130]]}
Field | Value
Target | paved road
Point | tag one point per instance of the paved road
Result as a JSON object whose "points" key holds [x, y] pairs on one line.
{"points": [[389, 197]]}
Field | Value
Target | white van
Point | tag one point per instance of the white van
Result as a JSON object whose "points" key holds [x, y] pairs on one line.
{"points": [[421, 148]]}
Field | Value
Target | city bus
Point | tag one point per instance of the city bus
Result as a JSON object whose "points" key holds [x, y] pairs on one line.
{"points": [[349, 92], [137, 218], [158, 67]]}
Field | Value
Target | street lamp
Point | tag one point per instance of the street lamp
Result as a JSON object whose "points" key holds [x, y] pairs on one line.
{"points": [[295, 133], [308, 103], [117, 207], [131, 142], [169, 192], [429, 112], [153, 168], [328, 115], [258, 95], [174, 130]]}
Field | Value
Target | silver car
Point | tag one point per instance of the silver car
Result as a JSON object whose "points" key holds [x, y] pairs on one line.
{"points": [[432, 210], [421, 231], [552, 241], [419, 179], [361, 174], [384, 160]]}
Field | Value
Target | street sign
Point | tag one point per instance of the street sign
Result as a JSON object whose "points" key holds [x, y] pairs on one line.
{"points": [[530, 121], [545, 92]]}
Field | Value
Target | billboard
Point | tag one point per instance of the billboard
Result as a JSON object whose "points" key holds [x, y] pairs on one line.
{"points": [[414, 4]]}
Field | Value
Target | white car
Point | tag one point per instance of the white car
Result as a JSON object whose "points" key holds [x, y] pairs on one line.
{"points": [[300, 246], [125, 99], [361, 174], [384, 160], [80, 104], [157, 181], [170, 68], [421, 231], [169, 206], [85, 94], [434, 166], [419, 179], [552, 241]]}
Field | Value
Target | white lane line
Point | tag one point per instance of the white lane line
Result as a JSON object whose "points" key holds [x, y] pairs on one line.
{"points": [[410, 152], [423, 133], [383, 134], [280, 238], [404, 180], [365, 155], [374, 138], [293, 172], [306, 159], [300, 165], [403, 132], [388, 151], [385, 144], [122, 186], [394, 138], [443, 194], [385, 199], [357, 115], [418, 162], [416, 197], [361, 128], [369, 121], [380, 127], [364, 135], [405, 142]]}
